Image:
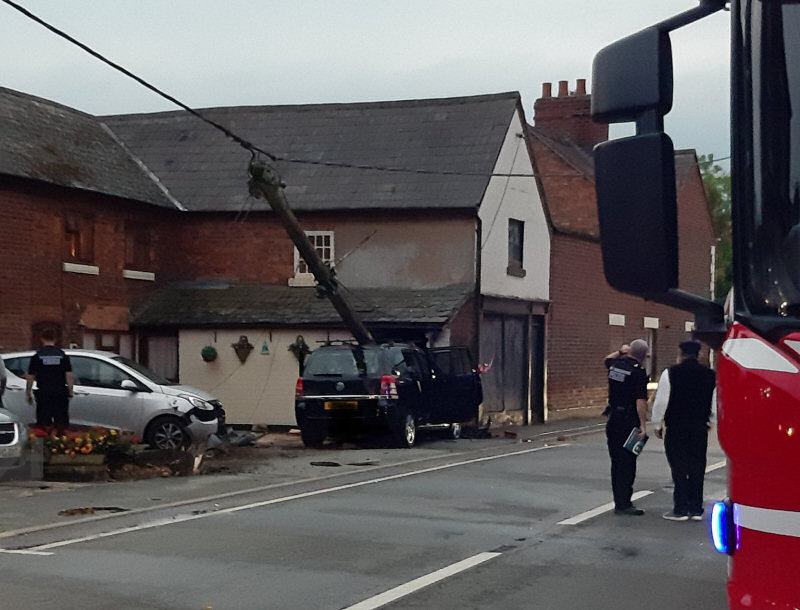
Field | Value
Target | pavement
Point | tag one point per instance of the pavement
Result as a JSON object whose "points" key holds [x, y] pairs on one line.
{"points": [[273, 460]]}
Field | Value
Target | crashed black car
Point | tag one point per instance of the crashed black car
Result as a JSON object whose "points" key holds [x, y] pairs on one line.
{"points": [[394, 388]]}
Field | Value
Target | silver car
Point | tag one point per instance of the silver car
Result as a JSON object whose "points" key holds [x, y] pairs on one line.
{"points": [[115, 392], [13, 439]]}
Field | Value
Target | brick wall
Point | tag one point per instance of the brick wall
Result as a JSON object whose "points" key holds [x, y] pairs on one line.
{"points": [[578, 331], [567, 115], [579, 334], [35, 288]]}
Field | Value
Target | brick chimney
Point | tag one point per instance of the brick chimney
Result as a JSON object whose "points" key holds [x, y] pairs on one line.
{"points": [[567, 117]]}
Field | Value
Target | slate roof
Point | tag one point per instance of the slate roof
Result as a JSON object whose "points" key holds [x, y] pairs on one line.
{"points": [[42, 140], [206, 171], [219, 304]]}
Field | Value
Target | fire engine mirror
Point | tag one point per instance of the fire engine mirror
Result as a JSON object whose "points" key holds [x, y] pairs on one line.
{"points": [[637, 212], [632, 76]]}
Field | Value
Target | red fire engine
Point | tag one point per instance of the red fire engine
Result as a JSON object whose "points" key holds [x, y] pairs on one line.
{"points": [[757, 334]]}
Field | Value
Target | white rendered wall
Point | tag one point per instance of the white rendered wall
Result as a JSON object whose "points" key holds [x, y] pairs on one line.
{"points": [[260, 391], [518, 198]]}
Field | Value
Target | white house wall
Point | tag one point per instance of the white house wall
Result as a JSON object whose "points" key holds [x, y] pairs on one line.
{"points": [[514, 197], [258, 391], [406, 252]]}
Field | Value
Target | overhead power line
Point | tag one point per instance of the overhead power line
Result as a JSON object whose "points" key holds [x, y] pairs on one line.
{"points": [[249, 146]]}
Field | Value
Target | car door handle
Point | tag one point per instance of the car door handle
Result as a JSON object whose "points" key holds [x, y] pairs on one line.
{"points": [[78, 393]]}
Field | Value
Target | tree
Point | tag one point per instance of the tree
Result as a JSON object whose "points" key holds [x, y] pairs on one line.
{"points": [[717, 184]]}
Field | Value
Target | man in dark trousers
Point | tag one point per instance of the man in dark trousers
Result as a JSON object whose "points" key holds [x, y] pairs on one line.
{"points": [[685, 402], [51, 369], [627, 409]]}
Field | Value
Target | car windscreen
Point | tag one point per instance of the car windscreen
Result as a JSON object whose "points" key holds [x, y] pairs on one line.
{"points": [[143, 370], [352, 361]]}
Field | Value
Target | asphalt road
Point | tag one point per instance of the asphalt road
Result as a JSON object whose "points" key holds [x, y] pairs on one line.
{"points": [[460, 524]]}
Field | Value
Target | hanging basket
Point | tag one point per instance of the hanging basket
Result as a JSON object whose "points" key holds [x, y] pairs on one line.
{"points": [[208, 353]]}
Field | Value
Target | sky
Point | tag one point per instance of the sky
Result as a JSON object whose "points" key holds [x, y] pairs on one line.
{"points": [[209, 53]]}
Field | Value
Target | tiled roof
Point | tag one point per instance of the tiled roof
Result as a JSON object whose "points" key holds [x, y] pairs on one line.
{"points": [[42, 140], [446, 140], [197, 304]]}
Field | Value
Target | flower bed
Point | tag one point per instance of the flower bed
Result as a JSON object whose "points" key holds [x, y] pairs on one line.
{"points": [[83, 441]]}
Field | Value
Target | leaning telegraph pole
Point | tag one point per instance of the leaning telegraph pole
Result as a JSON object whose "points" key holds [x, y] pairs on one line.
{"points": [[266, 183]]}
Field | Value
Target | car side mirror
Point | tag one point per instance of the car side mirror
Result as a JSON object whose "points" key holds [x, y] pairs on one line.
{"points": [[127, 384]]}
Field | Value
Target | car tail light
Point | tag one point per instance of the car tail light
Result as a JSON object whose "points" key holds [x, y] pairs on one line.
{"points": [[298, 388], [388, 386]]}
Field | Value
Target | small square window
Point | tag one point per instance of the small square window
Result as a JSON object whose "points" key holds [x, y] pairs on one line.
{"points": [[324, 245]]}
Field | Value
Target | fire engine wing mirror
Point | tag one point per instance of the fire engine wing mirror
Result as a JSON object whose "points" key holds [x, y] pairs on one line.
{"points": [[636, 202], [632, 78]]}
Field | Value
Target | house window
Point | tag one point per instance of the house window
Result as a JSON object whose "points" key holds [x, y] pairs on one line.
{"points": [[516, 241], [78, 239], [109, 341], [137, 246], [323, 244]]}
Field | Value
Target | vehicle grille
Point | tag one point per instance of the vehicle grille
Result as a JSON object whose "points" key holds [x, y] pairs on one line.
{"points": [[8, 434]]}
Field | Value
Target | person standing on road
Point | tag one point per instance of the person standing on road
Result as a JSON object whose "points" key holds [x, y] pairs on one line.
{"points": [[51, 369], [627, 409], [686, 402]]}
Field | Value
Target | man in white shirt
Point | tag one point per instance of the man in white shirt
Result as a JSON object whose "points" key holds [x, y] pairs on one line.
{"points": [[685, 404]]}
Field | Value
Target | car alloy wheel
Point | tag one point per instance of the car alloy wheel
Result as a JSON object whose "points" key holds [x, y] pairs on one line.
{"points": [[407, 431], [167, 433]]}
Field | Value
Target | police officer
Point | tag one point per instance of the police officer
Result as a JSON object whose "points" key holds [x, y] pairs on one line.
{"points": [[627, 409], [685, 400], [50, 367]]}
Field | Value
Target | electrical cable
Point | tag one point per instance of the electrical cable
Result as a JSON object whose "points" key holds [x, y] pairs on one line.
{"points": [[247, 145]]}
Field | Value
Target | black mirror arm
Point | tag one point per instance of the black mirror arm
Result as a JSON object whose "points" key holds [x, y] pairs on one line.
{"points": [[706, 8]]}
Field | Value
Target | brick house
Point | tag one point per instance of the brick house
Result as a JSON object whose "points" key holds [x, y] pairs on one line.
{"points": [[152, 246], [587, 319], [82, 228]]}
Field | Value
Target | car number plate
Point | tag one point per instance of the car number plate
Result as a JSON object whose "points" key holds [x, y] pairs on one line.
{"points": [[335, 405], [10, 452]]}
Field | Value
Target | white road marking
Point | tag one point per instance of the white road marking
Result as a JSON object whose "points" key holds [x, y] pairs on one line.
{"points": [[415, 585], [23, 552], [589, 514], [281, 500]]}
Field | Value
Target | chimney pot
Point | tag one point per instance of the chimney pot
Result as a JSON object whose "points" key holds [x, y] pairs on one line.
{"points": [[562, 88], [581, 89], [547, 90]]}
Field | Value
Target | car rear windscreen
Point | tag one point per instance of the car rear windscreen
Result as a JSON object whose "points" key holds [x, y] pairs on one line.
{"points": [[342, 362]]}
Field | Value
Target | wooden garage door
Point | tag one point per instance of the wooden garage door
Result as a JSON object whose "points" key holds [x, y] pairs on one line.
{"points": [[504, 343]]}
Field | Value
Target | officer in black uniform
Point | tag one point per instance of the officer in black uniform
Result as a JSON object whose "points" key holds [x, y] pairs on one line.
{"points": [[685, 400], [627, 409], [50, 367]]}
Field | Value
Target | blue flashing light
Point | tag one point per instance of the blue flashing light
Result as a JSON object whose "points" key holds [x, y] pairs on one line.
{"points": [[723, 528]]}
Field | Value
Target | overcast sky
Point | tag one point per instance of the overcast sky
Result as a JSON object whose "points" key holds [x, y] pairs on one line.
{"points": [[260, 52]]}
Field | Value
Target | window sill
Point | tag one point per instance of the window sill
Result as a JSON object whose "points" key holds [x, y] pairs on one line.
{"points": [[80, 268], [147, 276], [303, 279], [516, 271]]}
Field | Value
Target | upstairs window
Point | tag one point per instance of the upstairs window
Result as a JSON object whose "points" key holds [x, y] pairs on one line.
{"points": [[137, 246], [78, 239], [323, 244], [516, 242]]}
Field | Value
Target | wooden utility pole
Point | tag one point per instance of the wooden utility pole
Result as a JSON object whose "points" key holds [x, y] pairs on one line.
{"points": [[266, 183]]}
